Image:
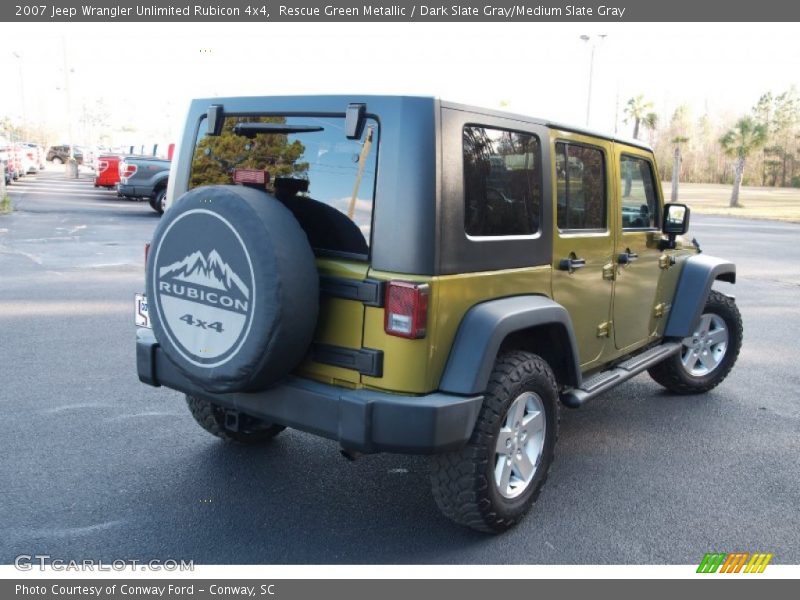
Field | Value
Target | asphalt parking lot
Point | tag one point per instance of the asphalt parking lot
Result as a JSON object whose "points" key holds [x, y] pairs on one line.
{"points": [[94, 464]]}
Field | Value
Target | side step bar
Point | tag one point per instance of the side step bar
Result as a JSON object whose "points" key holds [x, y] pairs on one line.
{"points": [[605, 380]]}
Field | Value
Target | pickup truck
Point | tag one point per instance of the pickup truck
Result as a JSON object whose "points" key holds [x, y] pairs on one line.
{"points": [[144, 177]]}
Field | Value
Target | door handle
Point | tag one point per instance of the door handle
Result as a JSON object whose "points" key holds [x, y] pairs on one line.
{"points": [[627, 257], [570, 264]]}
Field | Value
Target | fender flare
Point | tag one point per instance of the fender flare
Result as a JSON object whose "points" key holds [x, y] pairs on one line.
{"points": [[486, 325], [698, 275], [159, 179]]}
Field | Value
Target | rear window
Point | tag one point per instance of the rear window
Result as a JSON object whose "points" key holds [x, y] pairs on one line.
{"points": [[325, 179], [502, 193]]}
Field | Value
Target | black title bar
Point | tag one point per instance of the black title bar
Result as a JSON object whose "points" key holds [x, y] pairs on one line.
{"points": [[387, 11]]}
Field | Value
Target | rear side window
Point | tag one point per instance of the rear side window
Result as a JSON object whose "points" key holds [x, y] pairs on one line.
{"points": [[581, 181], [502, 182], [639, 199], [325, 179]]}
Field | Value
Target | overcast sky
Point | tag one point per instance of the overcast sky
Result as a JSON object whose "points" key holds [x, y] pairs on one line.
{"points": [[146, 73]]}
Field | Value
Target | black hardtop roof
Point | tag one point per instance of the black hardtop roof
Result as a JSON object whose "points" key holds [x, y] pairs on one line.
{"points": [[344, 99], [548, 123]]}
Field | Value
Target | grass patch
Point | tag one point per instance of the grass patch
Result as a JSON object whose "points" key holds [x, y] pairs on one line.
{"points": [[6, 206], [779, 204]]}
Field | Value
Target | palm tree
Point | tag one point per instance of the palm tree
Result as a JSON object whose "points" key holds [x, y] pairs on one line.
{"points": [[639, 111], [739, 142]]}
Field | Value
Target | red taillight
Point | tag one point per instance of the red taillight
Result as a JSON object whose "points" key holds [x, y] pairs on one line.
{"points": [[406, 309], [127, 170], [101, 165], [146, 254]]}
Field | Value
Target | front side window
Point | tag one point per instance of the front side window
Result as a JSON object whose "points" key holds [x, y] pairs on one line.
{"points": [[502, 182], [581, 184], [639, 199], [325, 179]]}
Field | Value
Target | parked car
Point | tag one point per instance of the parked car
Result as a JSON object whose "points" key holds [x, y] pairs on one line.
{"points": [[6, 172], [39, 154], [13, 154], [443, 300], [144, 177], [29, 157], [7, 156], [92, 154], [107, 171], [58, 155]]}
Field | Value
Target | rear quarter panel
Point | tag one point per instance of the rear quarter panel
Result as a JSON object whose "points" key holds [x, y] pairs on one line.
{"points": [[416, 366]]}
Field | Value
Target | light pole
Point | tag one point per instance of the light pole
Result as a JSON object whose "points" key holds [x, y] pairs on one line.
{"points": [[21, 94], [592, 44], [72, 165]]}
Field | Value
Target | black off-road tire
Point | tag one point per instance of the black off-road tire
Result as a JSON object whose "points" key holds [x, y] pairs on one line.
{"points": [[157, 202], [463, 482], [211, 417], [672, 375]]}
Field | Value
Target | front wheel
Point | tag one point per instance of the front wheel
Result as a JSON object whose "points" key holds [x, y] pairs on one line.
{"points": [[708, 355], [250, 430], [492, 482]]}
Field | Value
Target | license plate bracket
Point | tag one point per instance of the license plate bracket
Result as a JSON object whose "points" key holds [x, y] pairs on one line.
{"points": [[141, 314]]}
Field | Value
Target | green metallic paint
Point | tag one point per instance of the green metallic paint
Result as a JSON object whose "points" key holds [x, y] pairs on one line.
{"points": [[340, 324], [636, 282], [416, 366], [627, 296], [584, 292]]}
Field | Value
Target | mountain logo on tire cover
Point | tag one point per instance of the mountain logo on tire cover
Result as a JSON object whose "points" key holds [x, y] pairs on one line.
{"points": [[204, 295], [206, 272]]}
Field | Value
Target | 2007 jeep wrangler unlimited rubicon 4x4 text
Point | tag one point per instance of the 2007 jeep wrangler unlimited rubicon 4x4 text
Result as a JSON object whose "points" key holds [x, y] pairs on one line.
{"points": [[410, 275]]}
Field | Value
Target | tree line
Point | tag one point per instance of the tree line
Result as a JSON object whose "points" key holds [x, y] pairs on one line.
{"points": [[760, 148]]}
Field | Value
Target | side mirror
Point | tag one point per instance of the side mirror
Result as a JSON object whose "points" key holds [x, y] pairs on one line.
{"points": [[676, 219], [215, 118], [675, 222]]}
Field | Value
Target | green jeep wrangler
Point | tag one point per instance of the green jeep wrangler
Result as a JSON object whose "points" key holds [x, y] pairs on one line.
{"points": [[409, 275]]}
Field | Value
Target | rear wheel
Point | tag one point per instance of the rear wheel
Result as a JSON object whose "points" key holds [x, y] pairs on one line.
{"points": [[492, 482], [708, 355], [249, 430], [158, 203]]}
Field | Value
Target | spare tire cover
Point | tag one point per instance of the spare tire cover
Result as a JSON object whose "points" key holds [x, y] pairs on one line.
{"points": [[233, 288]]}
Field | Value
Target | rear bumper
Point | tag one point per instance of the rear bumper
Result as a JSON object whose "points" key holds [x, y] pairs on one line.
{"points": [[134, 191], [361, 420]]}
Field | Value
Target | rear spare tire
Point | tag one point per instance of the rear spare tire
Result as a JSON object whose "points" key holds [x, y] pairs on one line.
{"points": [[233, 287]]}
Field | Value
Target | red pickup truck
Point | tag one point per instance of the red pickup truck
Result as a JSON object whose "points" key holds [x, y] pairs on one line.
{"points": [[107, 171]]}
